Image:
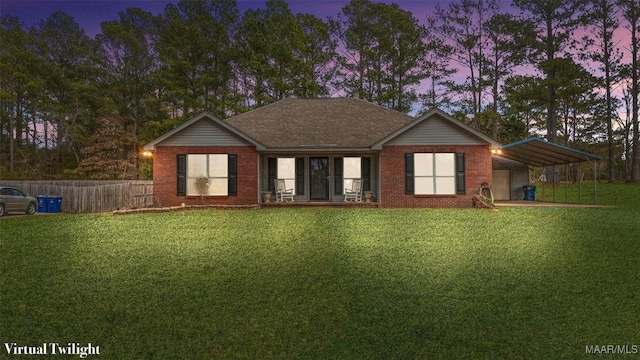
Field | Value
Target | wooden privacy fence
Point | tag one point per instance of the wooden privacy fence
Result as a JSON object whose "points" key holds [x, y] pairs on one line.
{"points": [[87, 196]]}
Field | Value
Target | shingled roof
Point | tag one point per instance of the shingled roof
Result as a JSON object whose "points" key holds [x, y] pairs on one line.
{"points": [[322, 123]]}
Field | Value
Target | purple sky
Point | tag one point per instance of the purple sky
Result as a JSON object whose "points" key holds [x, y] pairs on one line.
{"points": [[90, 13]]}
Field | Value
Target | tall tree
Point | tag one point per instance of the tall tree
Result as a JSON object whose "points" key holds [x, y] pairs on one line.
{"points": [[631, 13], [438, 73], [19, 86], [554, 22], [266, 40], [69, 96], [577, 102], [283, 55], [463, 25], [503, 56], [604, 22], [625, 123], [356, 37], [525, 101], [403, 57], [382, 53], [128, 63], [316, 56], [195, 50]]}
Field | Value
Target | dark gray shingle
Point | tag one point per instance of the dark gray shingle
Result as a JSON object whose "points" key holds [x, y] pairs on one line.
{"points": [[330, 122]]}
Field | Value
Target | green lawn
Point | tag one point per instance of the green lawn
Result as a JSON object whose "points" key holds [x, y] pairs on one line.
{"points": [[622, 194], [327, 283]]}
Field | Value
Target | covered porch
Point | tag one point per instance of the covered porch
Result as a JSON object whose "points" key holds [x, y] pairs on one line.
{"points": [[319, 178]]}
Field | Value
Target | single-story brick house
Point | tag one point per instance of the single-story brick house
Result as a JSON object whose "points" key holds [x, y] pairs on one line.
{"points": [[319, 146]]}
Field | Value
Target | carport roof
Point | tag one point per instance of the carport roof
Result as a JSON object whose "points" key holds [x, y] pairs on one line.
{"points": [[538, 152]]}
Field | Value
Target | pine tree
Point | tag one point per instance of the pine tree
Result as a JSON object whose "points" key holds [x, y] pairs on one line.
{"points": [[631, 13], [604, 21]]}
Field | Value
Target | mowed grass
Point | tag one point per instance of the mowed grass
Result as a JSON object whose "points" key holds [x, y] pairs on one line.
{"points": [[325, 283], [620, 194]]}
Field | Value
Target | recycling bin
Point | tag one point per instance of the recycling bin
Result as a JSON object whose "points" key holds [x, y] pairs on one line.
{"points": [[529, 192], [54, 204], [42, 203]]}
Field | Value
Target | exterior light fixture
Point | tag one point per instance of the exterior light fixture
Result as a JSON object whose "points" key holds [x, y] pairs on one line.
{"points": [[147, 154], [496, 151]]}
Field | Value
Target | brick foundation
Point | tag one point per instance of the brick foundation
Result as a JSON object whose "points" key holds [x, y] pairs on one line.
{"points": [[477, 171], [165, 180]]}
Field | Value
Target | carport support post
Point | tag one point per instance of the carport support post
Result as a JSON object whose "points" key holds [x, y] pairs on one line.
{"points": [[580, 183], [543, 172], [566, 179], [595, 182], [555, 188]]}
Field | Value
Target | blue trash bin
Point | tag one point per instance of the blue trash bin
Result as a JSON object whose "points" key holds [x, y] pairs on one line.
{"points": [[42, 203], [530, 193], [54, 204]]}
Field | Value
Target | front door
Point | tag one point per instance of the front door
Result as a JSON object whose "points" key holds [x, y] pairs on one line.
{"points": [[319, 178]]}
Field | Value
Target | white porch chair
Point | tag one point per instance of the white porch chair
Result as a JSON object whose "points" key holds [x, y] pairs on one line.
{"points": [[355, 193], [282, 193]]}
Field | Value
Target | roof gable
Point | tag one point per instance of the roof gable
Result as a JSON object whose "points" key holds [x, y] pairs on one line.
{"points": [[436, 127], [204, 130]]}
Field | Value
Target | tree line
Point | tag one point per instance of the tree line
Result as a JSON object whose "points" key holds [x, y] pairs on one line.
{"points": [[76, 107]]}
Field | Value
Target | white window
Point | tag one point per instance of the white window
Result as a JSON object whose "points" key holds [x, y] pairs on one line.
{"points": [[435, 174], [287, 171], [207, 174], [352, 169]]}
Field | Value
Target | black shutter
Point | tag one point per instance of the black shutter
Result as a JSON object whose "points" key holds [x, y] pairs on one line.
{"points": [[365, 162], [460, 183], [233, 175], [337, 163], [272, 173], [408, 173], [182, 174], [299, 176]]}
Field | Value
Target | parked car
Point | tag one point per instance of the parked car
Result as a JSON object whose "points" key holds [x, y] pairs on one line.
{"points": [[12, 199]]}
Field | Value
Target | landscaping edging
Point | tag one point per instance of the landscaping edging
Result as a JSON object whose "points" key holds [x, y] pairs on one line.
{"points": [[182, 208]]}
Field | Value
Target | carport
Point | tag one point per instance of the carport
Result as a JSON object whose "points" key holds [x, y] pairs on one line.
{"points": [[541, 153]]}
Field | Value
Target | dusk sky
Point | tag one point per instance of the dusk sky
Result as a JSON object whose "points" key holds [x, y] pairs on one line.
{"points": [[90, 13]]}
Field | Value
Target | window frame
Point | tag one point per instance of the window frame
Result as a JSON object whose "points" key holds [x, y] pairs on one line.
{"points": [[434, 171], [190, 189]]}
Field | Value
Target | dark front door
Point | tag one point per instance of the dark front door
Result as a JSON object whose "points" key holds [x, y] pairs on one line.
{"points": [[319, 178]]}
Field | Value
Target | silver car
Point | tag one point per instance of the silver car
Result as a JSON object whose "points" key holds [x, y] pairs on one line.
{"points": [[12, 199]]}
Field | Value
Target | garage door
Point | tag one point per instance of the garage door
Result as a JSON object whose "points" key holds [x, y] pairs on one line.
{"points": [[501, 184]]}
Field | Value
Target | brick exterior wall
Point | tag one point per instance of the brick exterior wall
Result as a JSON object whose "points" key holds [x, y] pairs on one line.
{"points": [[477, 171], [165, 177]]}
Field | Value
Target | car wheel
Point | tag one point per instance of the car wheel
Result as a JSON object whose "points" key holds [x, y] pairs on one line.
{"points": [[31, 209], [1, 209]]}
